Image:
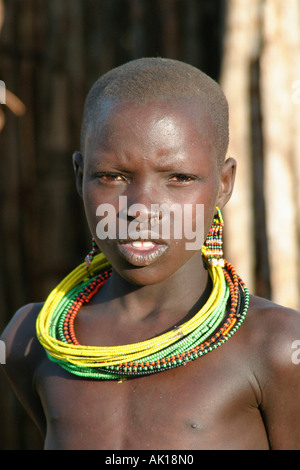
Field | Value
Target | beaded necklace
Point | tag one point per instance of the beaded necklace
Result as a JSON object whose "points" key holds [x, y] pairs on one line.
{"points": [[204, 332]]}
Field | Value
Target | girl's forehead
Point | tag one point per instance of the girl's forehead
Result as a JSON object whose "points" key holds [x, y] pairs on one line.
{"points": [[172, 121], [164, 134]]}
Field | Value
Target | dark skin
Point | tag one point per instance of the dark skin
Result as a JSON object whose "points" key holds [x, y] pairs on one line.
{"points": [[243, 395]]}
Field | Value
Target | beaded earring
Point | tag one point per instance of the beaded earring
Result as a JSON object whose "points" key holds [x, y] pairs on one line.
{"points": [[90, 256], [214, 241]]}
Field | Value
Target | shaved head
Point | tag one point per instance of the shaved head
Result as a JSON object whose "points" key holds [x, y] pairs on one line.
{"points": [[152, 79]]}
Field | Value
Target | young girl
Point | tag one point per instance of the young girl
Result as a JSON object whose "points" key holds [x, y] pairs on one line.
{"points": [[149, 344]]}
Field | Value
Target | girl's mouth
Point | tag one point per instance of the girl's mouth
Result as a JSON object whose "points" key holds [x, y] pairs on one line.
{"points": [[141, 252]]}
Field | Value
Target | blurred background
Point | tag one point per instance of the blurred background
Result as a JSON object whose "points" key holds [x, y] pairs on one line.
{"points": [[51, 52]]}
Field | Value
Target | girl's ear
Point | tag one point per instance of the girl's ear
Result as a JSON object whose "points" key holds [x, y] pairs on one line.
{"points": [[78, 169], [227, 178]]}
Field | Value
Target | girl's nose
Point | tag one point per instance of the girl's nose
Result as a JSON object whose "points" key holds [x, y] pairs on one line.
{"points": [[143, 203], [142, 200], [143, 213]]}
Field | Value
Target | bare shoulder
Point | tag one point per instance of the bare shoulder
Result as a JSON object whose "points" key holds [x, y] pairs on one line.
{"points": [[273, 336], [273, 327], [274, 322], [23, 355], [20, 335]]}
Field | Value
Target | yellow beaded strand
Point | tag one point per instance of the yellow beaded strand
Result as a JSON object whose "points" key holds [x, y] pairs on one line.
{"points": [[95, 356]]}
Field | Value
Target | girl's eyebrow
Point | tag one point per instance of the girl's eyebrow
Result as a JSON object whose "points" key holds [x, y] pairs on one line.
{"points": [[169, 157], [166, 160]]}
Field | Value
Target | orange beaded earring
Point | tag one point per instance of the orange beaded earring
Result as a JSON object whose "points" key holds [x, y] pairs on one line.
{"points": [[214, 241]]}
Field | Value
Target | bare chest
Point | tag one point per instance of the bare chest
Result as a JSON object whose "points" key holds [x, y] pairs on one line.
{"points": [[202, 405]]}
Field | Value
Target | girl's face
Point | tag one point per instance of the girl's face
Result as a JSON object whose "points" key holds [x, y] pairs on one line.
{"points": [[144, 162]]}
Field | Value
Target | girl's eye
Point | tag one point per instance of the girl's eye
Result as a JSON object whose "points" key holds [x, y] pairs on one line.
{"points": [[111, 177], [181, 178]]}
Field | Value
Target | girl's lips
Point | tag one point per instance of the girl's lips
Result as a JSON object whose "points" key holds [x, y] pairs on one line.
{"points": [[141, 252], [143, 245]]}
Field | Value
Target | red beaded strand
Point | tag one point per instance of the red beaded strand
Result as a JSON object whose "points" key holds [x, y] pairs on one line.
{"points": [[84, 297]]}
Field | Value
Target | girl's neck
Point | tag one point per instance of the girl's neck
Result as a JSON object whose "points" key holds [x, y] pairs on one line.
{"points": [[186, 290]]}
